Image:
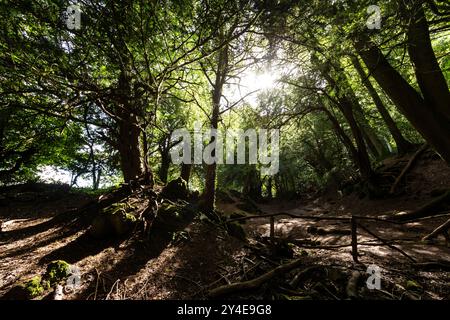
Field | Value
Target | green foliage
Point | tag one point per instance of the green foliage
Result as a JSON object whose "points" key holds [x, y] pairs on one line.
{"points": [[68, 98], [179, 237], [57, 271], [34, 287]]}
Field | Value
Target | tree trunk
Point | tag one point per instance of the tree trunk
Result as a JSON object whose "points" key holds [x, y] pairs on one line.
{"points": [[186, 172], [130, 155], [165, 164], [346, 105], [403, 145], [434, 127], [377, 147], [342, 136], [209, 195], [429, 75], [128, 139], [208, 201], [269, 188], [363, 158], [148, 174]]}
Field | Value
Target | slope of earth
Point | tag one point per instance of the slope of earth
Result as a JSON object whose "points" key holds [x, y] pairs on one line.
{"points": [[203, 255]]}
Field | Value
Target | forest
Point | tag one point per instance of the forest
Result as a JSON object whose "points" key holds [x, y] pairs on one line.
{"points": [[225, 149]]}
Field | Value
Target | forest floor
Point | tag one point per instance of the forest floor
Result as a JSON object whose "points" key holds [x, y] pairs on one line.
{"points": [[206, 256]]}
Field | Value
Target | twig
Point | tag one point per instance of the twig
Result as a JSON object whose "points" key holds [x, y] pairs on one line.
{"points": [[96, 284], [112, 288]]}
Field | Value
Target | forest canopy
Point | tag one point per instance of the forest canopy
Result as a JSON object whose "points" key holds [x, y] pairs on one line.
{"points": [[100, 98]]}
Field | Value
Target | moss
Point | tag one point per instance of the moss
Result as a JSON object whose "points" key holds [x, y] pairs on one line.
{"points": [[57, 271], [33, 287], [303, 253], [413, 286]]}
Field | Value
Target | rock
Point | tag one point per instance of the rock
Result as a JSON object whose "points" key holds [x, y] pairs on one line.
{"points": [[176, 189], [27, 290], [236, 230], [57, 271], [115, 220], [100, 227], [169, 215]]}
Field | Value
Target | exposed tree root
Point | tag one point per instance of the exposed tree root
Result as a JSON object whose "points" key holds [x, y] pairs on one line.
{"points": [[408, 166], [352, 285], [442, 229], [254, 283], [429, 209]]}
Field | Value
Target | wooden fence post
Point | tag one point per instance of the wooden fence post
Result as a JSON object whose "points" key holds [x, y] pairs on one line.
{"points": [[272, 229], [354, 228]]}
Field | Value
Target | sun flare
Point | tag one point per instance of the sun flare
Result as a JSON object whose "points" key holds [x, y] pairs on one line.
{"points": [[252, 83]]}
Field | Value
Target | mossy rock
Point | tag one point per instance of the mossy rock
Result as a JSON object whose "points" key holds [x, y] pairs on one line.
{"points": [[236, 230], [114, 220], [122, 223], [27, 290], [176, 189], [57, 271], [170, 214]]}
